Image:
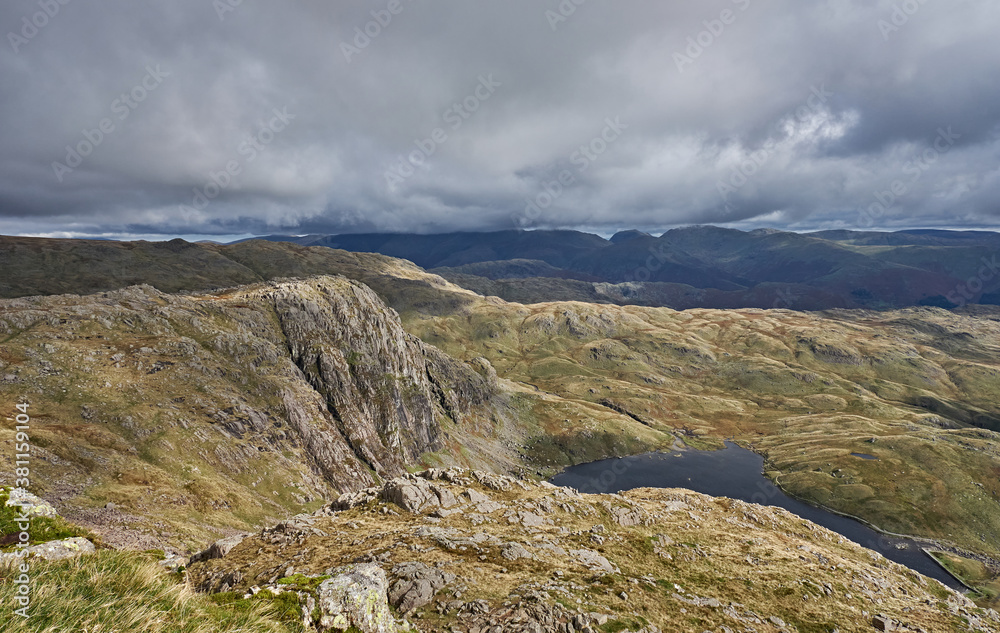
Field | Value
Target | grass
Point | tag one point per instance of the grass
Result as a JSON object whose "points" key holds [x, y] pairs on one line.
{"points": [[122, 592], [41, 530], [708, 553], [974, 574], [805, 389], [303, 583]]}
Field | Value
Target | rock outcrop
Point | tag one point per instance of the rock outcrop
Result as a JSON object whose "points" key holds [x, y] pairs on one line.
{"points": [[663, 560], [52, 550], [355, 597], [263, 398]]}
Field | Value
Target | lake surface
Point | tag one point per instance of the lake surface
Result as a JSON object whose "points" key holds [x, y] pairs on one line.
{"points": [[736, 473]]}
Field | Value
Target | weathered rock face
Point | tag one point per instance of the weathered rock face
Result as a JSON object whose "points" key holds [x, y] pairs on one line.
{"points": [[355, 597], [219, 548], [263, 398], [416, 585], [385, 389]]}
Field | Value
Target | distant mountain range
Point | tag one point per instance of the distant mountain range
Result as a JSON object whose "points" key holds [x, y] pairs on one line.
{"points": [[705, 266]]}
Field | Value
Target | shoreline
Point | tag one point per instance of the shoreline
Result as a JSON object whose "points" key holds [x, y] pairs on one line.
{"points": [[925, 544]]}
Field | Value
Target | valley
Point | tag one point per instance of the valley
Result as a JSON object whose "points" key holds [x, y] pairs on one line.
{"points": [[248, 383]]}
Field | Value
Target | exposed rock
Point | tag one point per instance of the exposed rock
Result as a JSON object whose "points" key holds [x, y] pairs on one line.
{"points": [[593, 561], [514, 551], [219, 548], [628, 516], [416, 585], [355, 597], [54, 550], [884, 623], [30, 504]]}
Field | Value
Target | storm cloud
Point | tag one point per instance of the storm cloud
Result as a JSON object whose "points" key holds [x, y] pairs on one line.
{"points": [[235, 117]]}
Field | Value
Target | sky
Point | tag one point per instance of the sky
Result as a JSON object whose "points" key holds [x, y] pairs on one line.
{"points": [[229, 118]]}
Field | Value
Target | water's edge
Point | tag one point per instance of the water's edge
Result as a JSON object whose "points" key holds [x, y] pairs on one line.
{"points": [[623, 479]]}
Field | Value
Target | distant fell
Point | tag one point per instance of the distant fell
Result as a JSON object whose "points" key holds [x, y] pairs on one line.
{"points": [[707, 266]]}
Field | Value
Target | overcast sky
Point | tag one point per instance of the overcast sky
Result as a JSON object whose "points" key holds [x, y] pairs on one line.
{"points": [[229, 118]]}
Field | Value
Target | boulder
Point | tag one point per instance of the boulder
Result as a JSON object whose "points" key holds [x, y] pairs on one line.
{"points": [[30, 504], [219, 548], [54, 550], [593, 561], [416, 585], [355, 597]]}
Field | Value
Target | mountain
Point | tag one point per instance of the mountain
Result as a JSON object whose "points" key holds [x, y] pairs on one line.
{"points": [[169, 419], [195, 412], [913, 237], [557, 248], [705, 266]]}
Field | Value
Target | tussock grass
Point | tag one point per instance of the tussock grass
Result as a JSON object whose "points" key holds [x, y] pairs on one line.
{"points": [[122, 591]]}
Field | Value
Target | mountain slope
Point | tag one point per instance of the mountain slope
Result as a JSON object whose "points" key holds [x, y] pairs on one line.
{"points": [[204, 412], [822, 270], [469, 551]]}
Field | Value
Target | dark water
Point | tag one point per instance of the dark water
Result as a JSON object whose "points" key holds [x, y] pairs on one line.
{"points": [[864, 456], [738, 474]]}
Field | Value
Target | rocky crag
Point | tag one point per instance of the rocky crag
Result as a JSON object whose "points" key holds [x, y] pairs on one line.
{"points": [[161, 419]]}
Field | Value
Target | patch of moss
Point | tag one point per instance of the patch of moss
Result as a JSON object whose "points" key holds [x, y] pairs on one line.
{"points": [[305, 583]]}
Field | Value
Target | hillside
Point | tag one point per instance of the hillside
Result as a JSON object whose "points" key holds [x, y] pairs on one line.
{"points": [[199, 414], [467, 551], [162, 419], [706, 266]]}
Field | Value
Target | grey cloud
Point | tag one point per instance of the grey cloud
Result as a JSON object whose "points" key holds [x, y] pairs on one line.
{"points": [[741, 103]]}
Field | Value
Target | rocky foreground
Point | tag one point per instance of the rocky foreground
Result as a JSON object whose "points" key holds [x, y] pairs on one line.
{"points": [[456, 550]]}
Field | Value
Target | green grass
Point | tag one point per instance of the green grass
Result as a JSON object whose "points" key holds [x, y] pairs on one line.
{"points": [[41, 530], [974, 574], [122, 591], [616, 626], [304, 583]]}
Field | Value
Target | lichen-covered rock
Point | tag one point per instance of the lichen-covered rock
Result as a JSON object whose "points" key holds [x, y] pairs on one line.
{"points": [[30, 504], [53, 550], [355, 597]]}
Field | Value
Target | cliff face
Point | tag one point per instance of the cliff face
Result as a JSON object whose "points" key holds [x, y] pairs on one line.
{"points": [[247, 404]]}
